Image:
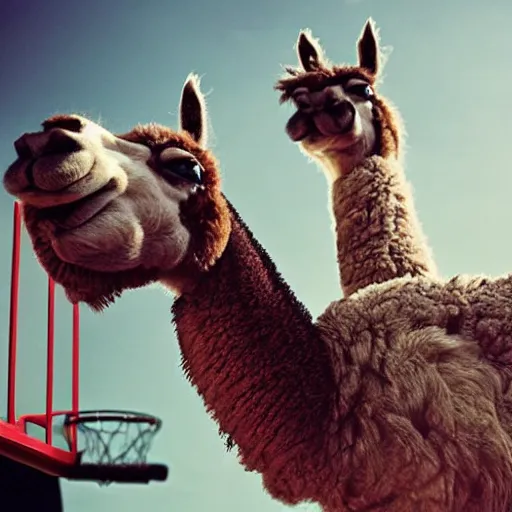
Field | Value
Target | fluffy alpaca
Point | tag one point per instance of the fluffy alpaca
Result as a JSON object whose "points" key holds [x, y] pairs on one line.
{"points": [[355, 136], [396, 399]]}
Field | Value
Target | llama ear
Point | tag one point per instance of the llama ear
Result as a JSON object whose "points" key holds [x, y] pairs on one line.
{"points": [[193, 116], [311, 55], [368, 48]]}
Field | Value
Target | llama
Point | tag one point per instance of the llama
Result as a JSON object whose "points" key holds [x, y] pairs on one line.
{"points": [[396, 399], [355, 136]]}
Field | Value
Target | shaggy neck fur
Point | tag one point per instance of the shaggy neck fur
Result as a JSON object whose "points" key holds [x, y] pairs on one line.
{"points": [[255, 357], [378, 236]]}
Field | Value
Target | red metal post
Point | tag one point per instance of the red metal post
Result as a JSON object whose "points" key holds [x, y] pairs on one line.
{"points": [[75, 372], [13, 316], [50, 359]]}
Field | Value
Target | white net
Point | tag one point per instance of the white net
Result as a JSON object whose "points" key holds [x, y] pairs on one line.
{"points": [[112, 437]]}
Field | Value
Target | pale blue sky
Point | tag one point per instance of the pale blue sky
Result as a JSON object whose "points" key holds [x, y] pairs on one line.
{"points": [[125, 62]]}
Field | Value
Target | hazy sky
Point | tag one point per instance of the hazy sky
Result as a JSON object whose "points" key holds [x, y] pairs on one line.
{"points": [[125, 62]]}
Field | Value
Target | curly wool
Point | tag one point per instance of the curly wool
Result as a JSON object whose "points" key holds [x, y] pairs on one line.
{"points": [[378, 235], [423, 417]]}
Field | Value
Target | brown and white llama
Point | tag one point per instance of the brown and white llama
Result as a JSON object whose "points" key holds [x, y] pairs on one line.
{"points": [[355, 135], [396, 399]]}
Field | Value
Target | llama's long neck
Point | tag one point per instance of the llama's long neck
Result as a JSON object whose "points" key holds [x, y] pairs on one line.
{"points": [[378, 235], [256, 358]]}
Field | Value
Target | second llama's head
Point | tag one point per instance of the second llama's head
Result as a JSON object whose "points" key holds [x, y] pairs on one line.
{"points": [[340, 118]]}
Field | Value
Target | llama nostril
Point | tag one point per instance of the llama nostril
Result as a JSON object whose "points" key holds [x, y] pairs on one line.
{"points": [[342, 108], [303, 102], [22, 148], [331, 101], [71, 123], [301, 99], [61, 141]]}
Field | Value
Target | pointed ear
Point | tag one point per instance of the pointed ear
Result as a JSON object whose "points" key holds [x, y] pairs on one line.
{"points": [[193, 116], [311, 55], [368, 48]]}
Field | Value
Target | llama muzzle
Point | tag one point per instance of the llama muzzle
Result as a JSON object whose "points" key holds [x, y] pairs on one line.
{"points": [[48, 162], [336, 119]]}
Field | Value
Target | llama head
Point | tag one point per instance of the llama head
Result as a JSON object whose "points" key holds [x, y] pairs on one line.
{"points": [[108, 212], [340, 118]]}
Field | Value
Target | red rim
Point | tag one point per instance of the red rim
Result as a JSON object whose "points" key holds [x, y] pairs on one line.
{"points": [[81, 417]]}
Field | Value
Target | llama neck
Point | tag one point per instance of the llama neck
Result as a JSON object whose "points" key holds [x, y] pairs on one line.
{"points": [[254, 355], [378, 235]]}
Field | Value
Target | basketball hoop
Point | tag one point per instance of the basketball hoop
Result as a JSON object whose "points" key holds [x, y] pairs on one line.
{"points": [[116, 446]]}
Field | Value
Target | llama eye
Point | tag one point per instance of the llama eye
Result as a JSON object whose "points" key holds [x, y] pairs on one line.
{"points": [[186, 168], [364, 91]]}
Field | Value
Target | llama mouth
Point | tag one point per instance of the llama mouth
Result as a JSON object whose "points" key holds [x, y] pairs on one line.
{"points": [[328, 124], [74, 215], [322, 124]]}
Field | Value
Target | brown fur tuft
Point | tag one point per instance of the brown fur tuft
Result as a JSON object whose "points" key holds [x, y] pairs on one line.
{"points": [[388, 129], [319, 78]]}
